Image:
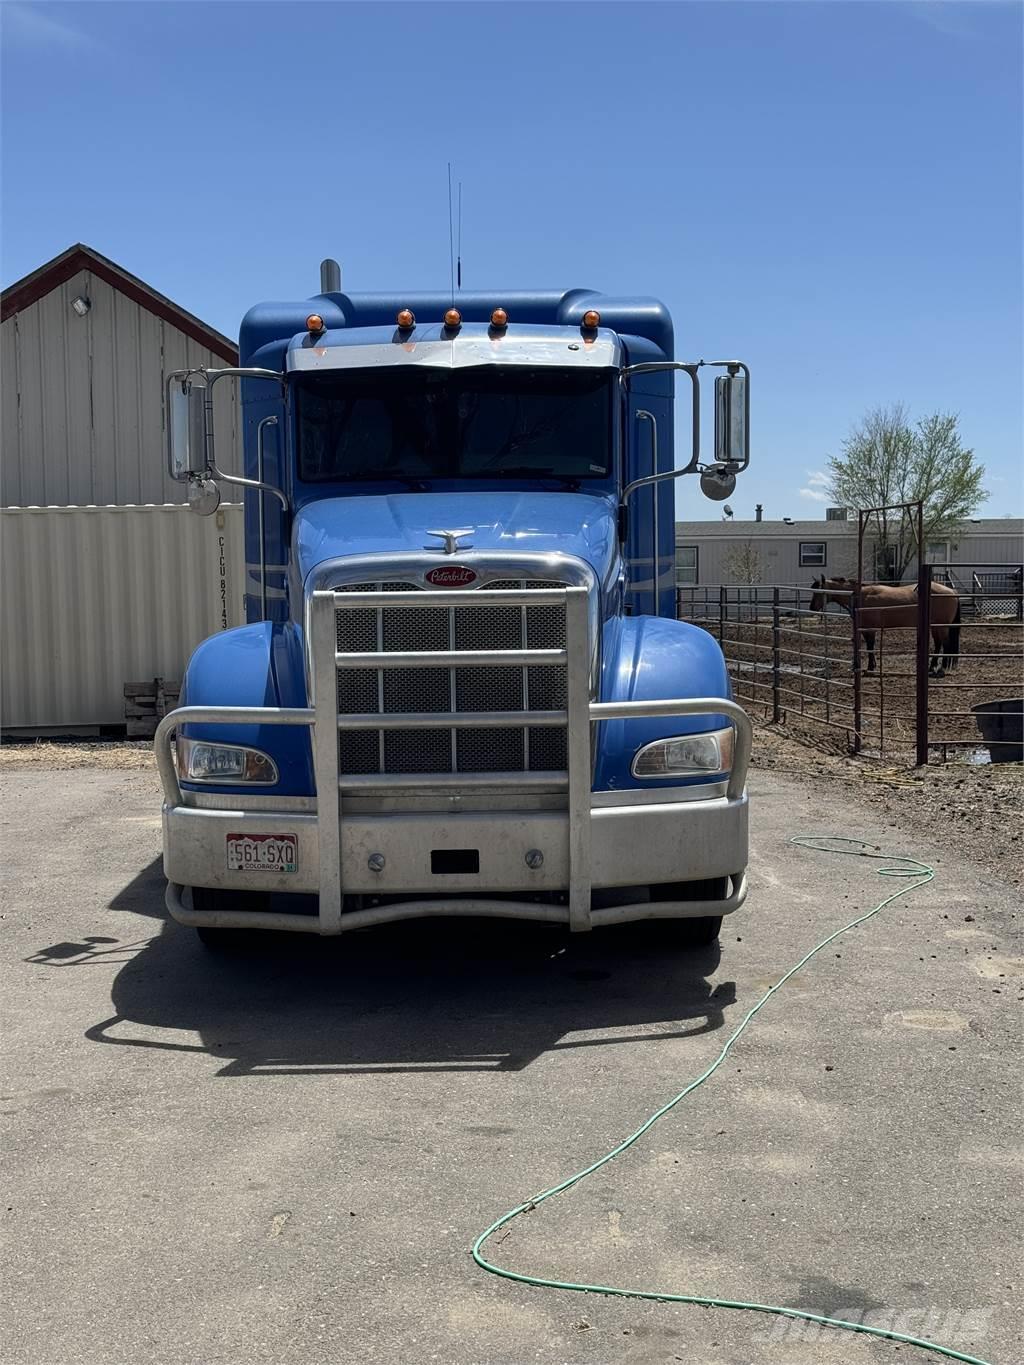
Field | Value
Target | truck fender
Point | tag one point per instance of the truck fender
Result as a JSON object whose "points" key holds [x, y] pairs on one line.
{"points": [[255, 665], [648, 658]]}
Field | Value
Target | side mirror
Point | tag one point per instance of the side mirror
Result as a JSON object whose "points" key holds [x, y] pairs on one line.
{"points": [[732, 439], [717, 482], [203, 496], [186, 430]]}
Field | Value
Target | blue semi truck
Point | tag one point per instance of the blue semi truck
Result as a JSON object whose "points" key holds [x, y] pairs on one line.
{"points": [[461, 688]]}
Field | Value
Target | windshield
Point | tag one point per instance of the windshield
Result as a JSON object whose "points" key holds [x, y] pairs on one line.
{"points": [[481, 422]]}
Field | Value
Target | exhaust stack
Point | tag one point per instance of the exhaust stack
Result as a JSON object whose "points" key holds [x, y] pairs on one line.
{"points": [[330, 277]]}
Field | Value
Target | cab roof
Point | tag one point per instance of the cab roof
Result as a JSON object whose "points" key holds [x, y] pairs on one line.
{"points": [[274, 325]]}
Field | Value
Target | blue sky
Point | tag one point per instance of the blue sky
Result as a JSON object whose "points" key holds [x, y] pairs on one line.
{"points": [[830, 191]]}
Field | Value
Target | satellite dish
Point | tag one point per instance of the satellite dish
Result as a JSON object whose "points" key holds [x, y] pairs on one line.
{"points": [[727, 510]]}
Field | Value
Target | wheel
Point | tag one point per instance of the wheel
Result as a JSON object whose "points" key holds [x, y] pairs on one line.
{"points": [[220, 940], [207, 898], [700, 931], [695, 933]]}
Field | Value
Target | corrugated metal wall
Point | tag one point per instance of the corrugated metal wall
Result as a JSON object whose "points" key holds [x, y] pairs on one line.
{"points": [[94, 597], [83, 409]]}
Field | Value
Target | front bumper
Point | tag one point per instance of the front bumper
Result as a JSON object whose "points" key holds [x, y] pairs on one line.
{"points": [[632, 845]]}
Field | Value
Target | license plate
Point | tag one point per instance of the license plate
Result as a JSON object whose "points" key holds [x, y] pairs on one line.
{"points": [[263, 852]]}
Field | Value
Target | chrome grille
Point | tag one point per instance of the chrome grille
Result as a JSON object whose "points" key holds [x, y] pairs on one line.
{"points": [[394, 690]]}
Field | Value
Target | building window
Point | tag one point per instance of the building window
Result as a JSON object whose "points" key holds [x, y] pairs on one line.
{"points": [[885, 563], [686, 566], [812, 554], [937, 552]]}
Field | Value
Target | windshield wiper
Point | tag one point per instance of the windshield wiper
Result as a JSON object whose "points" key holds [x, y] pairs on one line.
{"points": [[529, 471], [384, 476]]}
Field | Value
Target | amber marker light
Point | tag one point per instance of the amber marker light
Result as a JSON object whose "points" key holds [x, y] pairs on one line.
{"points": [[453, 318], [499, 319], [591, 320], [406, 319], [314, 324]]}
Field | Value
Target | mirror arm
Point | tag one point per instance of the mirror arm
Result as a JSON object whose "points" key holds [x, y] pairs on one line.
{"points": [[211, 376], [211, 461], [250, 483], [644, 416], [631, 488], [261, 426], [691, 368]]}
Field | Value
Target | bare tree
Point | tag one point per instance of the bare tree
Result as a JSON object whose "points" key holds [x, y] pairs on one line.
{"points": [[743, 564], [885, 460]]}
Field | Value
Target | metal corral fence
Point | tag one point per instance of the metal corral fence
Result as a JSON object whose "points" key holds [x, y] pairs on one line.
{"points": [[990, 666], [788, 664], [97, 597], [811, 669]]}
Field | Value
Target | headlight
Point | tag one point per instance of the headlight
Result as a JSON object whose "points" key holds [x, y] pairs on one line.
{"points": [[686, 754], [223, 763]]}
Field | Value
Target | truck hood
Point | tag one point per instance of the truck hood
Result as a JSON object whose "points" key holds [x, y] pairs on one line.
{"points": [[578, 524]]}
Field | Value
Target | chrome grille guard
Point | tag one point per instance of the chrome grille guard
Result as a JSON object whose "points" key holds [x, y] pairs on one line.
{"points": [[577, 718]]}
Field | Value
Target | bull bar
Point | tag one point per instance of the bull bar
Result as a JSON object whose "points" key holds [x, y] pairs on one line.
{"points": [[712, 825]]}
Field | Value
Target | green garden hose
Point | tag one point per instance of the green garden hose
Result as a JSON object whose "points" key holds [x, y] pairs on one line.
{"points": [[899, 866]]}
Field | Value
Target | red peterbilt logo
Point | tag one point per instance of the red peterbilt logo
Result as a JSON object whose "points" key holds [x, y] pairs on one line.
{"points": [[451, 576]]}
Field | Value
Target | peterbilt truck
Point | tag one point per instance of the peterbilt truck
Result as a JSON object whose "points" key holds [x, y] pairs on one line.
{"points": [[462, 689]]}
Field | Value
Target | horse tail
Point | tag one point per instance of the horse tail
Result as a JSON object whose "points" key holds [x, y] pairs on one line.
{"points": [[952, 645]]}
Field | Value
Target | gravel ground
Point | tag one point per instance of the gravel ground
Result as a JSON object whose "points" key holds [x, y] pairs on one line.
{"points": [[284, 1155], [59, 755]]}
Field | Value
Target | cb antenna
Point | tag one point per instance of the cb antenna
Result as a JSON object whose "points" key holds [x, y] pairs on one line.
{"points": [[458, 257], [451, 236]]}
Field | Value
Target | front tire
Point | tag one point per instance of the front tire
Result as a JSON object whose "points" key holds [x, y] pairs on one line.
{"points": [[702, 930], [694, 933], [208, 899]]}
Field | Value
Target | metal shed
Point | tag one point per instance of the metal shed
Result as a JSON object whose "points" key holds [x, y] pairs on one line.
{"points": [[85, 346], [108, 579]]}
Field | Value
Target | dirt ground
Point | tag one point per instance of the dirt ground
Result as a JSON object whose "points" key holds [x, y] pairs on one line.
{"points": [[977, 810]]}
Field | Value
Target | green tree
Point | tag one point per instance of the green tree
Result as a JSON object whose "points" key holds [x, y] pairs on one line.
{"points": [[886, 460]]}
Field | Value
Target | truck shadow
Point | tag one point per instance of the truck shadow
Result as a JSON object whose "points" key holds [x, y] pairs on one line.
{"points": [[433, 995]]}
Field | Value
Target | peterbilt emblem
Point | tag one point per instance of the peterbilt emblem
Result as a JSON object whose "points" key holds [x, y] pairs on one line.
{"points": [[451, 540], [451, 576]]}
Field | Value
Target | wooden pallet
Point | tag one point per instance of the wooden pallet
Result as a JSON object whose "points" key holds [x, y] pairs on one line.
{"points": [[146, 704]]}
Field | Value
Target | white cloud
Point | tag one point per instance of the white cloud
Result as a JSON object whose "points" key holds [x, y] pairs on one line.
{"points": [[32, 26], [816, 487]]}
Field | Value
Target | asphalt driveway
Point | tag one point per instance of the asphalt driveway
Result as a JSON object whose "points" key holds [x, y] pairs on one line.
{"points": [[284, 1156]]}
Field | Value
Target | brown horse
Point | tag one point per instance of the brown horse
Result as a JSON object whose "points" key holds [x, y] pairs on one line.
{"points": [[881, 606]]}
